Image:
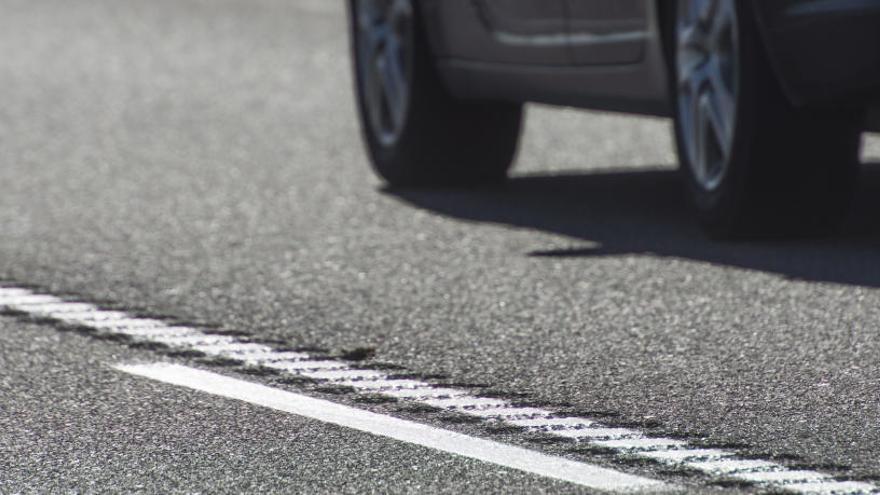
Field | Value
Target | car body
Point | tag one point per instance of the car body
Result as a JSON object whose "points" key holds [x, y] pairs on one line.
{"points": [[613, 54], [768, 97]]}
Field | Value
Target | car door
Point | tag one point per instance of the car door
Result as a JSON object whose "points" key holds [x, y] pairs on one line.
{"points": [[607, 31], [522, 26], [526, 20], [530, 32]]}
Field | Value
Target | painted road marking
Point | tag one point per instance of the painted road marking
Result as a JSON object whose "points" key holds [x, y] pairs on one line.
{"points": [[552, 424], [828, 487], [95, 316], [529, 461], [782, 476], [682, 456], [732, 466], [716, 463]]}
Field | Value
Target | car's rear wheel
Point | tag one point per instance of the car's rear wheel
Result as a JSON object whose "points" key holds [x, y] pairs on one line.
{"points": [[754, 164], [417, 134]]}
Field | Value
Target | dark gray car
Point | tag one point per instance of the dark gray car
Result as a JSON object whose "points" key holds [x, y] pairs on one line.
{"points": [[769, 98]]}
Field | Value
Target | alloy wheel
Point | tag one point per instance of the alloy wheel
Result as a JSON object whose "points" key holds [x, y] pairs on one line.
{"points": [[385, 61], [707, 75]]}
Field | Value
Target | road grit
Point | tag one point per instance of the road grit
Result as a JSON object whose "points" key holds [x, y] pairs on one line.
{"points": [[676, 453]]}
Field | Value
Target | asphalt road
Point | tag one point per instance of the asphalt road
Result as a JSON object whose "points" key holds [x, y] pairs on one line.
{"points": [[201, 159]]}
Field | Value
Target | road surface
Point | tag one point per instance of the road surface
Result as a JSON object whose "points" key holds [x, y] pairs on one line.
{"points": [[199, 162]]}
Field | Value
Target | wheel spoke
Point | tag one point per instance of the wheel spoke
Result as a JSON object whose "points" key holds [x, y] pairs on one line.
{"points": [[369, 15], [723, 102], [700, 138], [393, 80], [689, 72], [692, 41], [691, 10], [706, 10], [374, 34], [719, 124], [721, 24]]}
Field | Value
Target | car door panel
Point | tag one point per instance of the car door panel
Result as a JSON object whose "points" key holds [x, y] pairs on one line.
{"points": [[622, 72], [607, 31], [528, 32], [524, 17]]}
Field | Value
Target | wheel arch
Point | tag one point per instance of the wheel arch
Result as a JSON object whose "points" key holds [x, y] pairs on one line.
{"points": [[431, 19], [666, 18], [823, 53], [427, 12]]}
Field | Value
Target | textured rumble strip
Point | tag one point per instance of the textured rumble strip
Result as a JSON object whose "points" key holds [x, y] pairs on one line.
{"points": [[716, 463]]}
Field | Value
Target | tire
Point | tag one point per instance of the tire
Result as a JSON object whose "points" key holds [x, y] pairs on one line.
{"points": [[783, 171], [424, 137]]}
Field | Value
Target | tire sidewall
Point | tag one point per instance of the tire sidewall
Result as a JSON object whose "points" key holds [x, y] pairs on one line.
{"points": [[425, 102], [717, 208], [379, 152]]}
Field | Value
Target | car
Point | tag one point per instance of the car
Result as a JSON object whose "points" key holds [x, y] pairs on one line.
{"points": [[769, 98]]}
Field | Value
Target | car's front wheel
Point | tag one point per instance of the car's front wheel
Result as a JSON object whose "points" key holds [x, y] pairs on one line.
{"points": [[754, 164], [417, 134]]}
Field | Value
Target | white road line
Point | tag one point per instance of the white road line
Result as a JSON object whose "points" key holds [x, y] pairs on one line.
{"points": [[597, 433], [53, 308], [832, 488], [415, 394], [306, 366], [267, 358], [468, 403], [672, 452], [682, 456], [784, 477], [552, 424], [400, 388], [507, 413], [13, 291], [529, 461], [731, 466], [239, 350], [346, 373], [129, 323], [24, 300], [153, 334], [637, 445], [193, 341], [89, 317]]}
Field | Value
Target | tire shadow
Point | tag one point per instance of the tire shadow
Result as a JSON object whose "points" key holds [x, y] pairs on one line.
{"points": [[645, 212]]}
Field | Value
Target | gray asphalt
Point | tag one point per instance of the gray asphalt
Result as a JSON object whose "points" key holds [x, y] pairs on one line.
{"points": [[78, 426], [201, 159]]}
